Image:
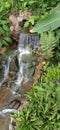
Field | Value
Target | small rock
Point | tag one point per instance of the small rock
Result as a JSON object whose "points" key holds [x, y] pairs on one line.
{"points": [[3, 50], [17, 29], [31, 29], [26, 15], [24, 102], [39, 71], [15, 36], [12, 73], [13, 20], [12, 28], [8, 100], [4, 123], [27, 86]]}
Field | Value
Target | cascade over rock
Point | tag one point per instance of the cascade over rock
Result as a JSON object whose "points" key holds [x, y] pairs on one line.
{"points": [[17, 70]]}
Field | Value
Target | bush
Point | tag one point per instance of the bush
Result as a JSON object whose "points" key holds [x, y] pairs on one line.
{"points": [[43, 110], [5, 38]]}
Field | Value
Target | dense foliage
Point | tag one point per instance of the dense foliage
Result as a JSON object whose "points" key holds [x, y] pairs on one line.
{"points": [[48, 43], [4, 33], [5, 38], [43, 110], [41, 7]]}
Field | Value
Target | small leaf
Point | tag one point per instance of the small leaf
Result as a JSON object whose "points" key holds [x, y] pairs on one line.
{"points": [[1, 31], [8, 39], [5, 27], [5, 43], [26, 24], [3, 22]]}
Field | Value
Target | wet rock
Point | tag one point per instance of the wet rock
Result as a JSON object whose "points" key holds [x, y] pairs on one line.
{"points": [[8, 102], [24, 16], [15, 36], [7, 99], [15, 28], [12, 28], [31, 28], [15, 104], [39, 67], [24, 102], [13, 46], [12, 73], [4, 123], [3, 50], [27, 86], [1, 69], [13, 66], [29, 40], [13, 20], [12, 125]]}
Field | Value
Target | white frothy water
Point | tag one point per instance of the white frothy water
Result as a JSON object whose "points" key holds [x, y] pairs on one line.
{"points": [[24, 56], [6, 71], [6, 111], [20, 76]]}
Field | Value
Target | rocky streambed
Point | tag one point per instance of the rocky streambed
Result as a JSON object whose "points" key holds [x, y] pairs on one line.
{"points": [[17, 70]]}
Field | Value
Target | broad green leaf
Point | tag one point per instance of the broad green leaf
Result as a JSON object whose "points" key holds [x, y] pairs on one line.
{"points": [[3, 22], [5, 27], [8, 39], [50, 22], [4, 43]]}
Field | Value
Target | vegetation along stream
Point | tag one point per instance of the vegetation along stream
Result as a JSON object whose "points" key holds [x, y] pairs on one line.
{"points": [[29, 65]]}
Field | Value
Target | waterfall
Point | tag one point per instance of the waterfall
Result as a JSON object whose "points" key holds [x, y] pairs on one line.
{"points": [[25, 59], [18, 69]]}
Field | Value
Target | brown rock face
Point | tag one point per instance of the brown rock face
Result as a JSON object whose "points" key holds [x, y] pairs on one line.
{"points": [[13, 20], [8, 100], [27, 86], [4, 124], [5, 95]]}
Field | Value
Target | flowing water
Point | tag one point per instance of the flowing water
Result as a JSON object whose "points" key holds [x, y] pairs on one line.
{"points": [[19, 67]]}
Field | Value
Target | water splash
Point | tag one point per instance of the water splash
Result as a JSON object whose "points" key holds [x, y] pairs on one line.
{"points": [[24, 55], [6, 71], [6, 111], [20, 75], [6, 66]]}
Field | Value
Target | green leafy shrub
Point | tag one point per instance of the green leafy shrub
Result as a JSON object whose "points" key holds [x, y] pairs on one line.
{"points": [[4, 33], [48, 43], [4, 23], [43, 110], [4, 8], [41, 7]]}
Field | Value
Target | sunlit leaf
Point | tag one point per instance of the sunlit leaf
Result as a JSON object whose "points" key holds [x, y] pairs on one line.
{"points": [[50, 22]]}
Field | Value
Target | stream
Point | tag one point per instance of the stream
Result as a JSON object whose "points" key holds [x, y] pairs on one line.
{"points": [[17, 70]]}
